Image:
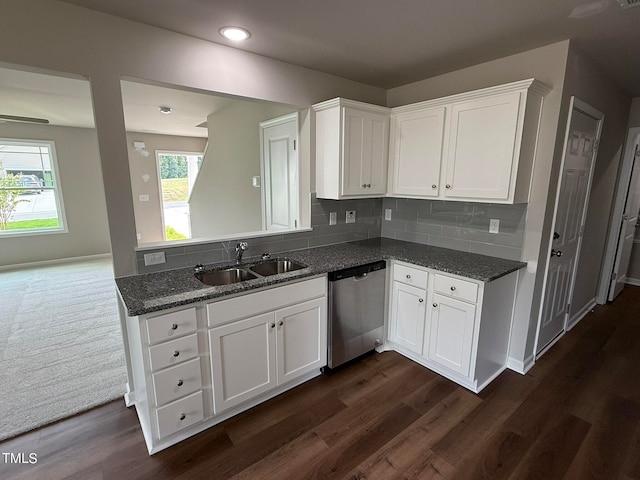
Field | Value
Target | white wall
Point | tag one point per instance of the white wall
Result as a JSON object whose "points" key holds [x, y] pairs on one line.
{"points": [[592, 85], [546, 64], [62, 37], [147, 214], [223, 201], [83, 195]]}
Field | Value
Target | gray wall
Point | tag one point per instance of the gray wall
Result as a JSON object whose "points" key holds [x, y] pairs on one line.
{"points": [[147, 214], [61, 37], [367, 225], [83, 196], [590, 84]]}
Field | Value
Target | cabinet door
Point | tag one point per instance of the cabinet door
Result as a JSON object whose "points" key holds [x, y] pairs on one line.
{"points": [[243, 360], [301, 339], [365, 152], [451, 333], [406, 326], [417, 152], [482, 148]]}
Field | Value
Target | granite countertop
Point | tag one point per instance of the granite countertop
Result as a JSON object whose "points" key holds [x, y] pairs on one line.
{"points": [[152, 292]]}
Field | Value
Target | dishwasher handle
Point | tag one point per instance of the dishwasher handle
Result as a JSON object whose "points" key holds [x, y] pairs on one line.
{"points": [[358, 278]]}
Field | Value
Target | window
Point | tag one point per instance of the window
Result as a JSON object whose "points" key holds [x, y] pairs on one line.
{"points": [[178, 172], [30, 196]]}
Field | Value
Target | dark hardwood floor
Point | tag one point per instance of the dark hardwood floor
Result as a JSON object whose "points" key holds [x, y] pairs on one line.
{"points": [[575, 415]]}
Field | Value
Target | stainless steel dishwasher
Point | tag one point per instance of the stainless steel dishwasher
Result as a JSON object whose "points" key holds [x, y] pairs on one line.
{"points": [[356, 311]]}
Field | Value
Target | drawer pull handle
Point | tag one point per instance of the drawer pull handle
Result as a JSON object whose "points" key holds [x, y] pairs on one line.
{"points": [[434, 186], [176, 353], [447, 186], [174, 326], [453, 289], [408, 277], [435, 305], [182, 416], [280, 323], [273, 325], [421, 300], [180, 383]]}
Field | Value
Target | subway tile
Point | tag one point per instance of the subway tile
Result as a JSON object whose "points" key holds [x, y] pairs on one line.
{"points": [[452, 243], [464, 234], [505, 239], [425, 228], [500, 251], [413, 237], [387, 230], [438, 219], [451, 208]]}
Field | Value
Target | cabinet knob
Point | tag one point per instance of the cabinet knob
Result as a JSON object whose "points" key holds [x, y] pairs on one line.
{"points": [[180, 383], [434, 186], [182, 416], [447, 186], [368, 185], [273, 325], [435, 305], [280, 323], [174, 326], [556, 253], [421, 300], [176, 353], [453, 289], [408, 277], [364, 185]]}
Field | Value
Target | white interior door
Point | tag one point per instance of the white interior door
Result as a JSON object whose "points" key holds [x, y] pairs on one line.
{"points": [[628, 225], [280, 172], [573, 196]]}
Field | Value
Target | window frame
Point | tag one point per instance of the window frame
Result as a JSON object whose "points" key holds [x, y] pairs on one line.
{"points": [[56, 188]]}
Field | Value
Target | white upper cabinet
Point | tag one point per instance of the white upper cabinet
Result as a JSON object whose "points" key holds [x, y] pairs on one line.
{"points": [[416, 147], [352, 145], [476, 146]]}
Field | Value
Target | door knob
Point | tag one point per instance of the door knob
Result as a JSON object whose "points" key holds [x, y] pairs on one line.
{"points": [[556, 235], [555, 253]]}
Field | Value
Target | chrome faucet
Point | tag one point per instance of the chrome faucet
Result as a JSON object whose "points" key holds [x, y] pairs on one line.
{"points": [[240, 248]]}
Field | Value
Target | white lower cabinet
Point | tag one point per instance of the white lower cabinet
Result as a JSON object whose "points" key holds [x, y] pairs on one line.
{"points": [[462, 333], [196, 366], [406, 325], [451, 326], [252, 356]]}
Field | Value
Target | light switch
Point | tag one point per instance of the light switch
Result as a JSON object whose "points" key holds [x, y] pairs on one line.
{"points": [[387, 214], [143, 198], [494, 225], [333, 218]]}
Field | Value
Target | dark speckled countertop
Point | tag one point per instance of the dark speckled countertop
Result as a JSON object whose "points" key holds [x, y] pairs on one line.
{"points": [[152, 292]]}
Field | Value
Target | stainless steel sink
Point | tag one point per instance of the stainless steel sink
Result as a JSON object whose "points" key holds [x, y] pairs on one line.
{"points": [[227, 276], [273, 267]]}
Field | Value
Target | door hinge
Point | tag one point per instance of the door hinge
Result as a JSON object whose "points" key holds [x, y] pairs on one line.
{"points": [[581, 230], [596, 144], [295, 223], [614, 275], [568, 307], [294, 144]]}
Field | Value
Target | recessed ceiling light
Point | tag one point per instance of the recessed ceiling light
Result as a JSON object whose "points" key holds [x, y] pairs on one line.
{"points": [[165, 110], [235, 33]]}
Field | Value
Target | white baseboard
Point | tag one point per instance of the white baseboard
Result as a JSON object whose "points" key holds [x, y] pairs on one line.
{"points": [[522, 367], [580, 314], [633, 281], [18, 266]]}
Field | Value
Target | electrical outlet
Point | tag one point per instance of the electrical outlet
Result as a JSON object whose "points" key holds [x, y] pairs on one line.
{"points": [[143, 198], [351, 216], [387, 214], [154, 258], [333, 218], [494, 225]]}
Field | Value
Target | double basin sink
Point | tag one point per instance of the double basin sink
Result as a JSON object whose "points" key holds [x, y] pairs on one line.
{"points": [[230, 275]]}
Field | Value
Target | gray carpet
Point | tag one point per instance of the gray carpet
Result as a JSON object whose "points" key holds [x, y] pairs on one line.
{"points": [[61, 346]]}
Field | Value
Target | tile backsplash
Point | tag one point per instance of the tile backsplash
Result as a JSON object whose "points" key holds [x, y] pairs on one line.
{"points": [[367, 225], [457, 225]]}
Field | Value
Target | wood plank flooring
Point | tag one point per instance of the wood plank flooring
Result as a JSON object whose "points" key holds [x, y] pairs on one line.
{"points": [[575, 415]]}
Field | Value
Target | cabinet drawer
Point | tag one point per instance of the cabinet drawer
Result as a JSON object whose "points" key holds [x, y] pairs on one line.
{"points": [[252, 304], [176, 382], [410, 276], [171, 325], [173, 352], [180, 414], [456, 288]]}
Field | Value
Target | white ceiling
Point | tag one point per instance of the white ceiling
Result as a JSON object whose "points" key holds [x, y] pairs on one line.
{"points": [[390, 43]]}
